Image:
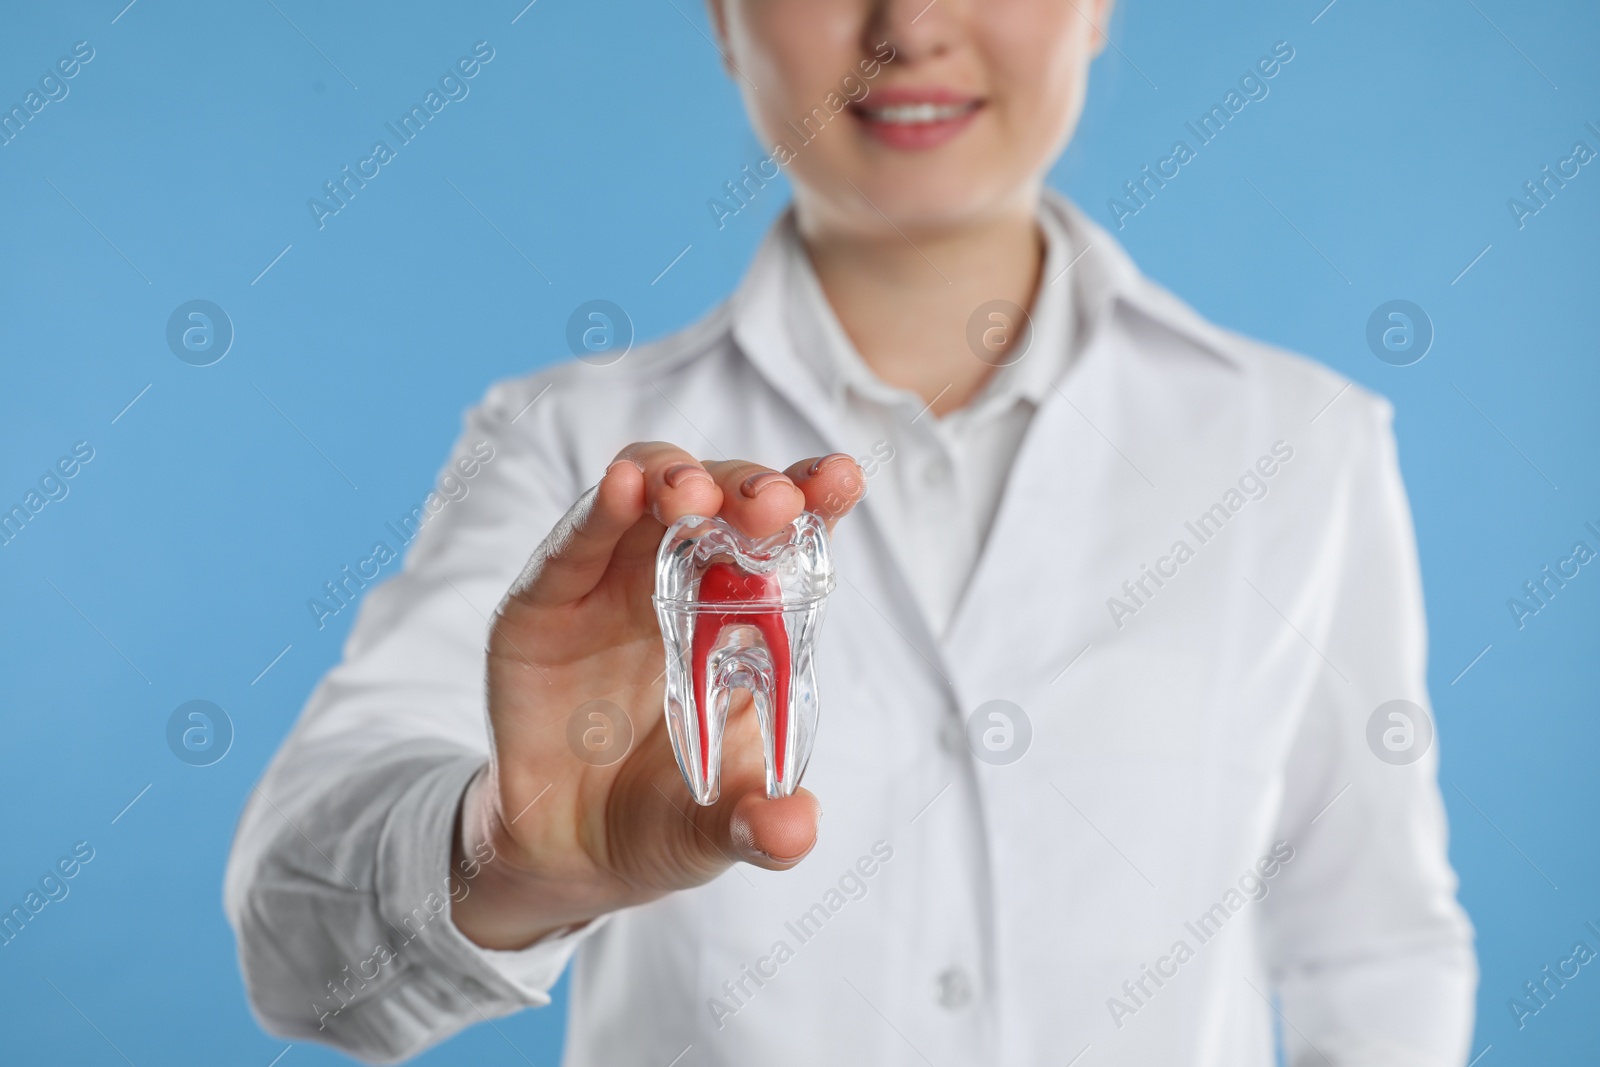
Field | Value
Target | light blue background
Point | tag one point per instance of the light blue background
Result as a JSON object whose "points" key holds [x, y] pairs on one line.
{"points": [[180, 563]]}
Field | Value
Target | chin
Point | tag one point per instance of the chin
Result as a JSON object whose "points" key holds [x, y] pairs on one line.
{"points": [[928, 196]]}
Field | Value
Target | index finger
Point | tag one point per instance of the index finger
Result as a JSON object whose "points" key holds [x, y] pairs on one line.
{"points": [[653, 479]]}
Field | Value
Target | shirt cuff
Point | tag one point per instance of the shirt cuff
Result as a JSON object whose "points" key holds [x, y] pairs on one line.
{"points": [[539, 965], [413, 888]]}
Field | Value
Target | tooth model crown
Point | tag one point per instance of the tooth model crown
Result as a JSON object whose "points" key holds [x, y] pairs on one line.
{"points": [[738, 613]]}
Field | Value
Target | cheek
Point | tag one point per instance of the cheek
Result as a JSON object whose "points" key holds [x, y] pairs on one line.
{"points": [[1038, 57], [795, 52]]}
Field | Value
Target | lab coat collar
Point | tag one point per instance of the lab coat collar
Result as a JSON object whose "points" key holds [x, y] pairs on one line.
{"points": [[819, 340], [1107, 282], [1104, 283]]}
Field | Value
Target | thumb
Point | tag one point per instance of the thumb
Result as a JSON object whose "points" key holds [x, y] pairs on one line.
{"points": [[774, 833], [662, 839]]}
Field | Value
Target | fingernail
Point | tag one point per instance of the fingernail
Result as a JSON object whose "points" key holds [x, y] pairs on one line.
{"points": [[757, 484], [816, 468], [675, 474], [755, 855]]}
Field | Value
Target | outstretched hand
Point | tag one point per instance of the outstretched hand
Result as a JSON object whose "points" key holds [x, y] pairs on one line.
{"points": [[572, 840]]}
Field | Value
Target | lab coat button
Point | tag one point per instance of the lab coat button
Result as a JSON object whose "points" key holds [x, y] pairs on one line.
{"points": [[952, 738], [955, 989]]}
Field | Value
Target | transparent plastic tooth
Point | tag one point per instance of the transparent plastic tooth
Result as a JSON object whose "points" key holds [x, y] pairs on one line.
{"points": [[738, 613]]}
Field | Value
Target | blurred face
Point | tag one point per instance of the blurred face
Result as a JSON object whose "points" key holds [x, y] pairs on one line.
{"points": [[935, 114]]}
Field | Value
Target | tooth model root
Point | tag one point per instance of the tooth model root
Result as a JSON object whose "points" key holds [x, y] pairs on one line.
{"points": [[741, 650]]}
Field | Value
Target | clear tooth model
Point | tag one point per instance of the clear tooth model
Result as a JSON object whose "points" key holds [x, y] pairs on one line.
{"points": [[741, 613]]}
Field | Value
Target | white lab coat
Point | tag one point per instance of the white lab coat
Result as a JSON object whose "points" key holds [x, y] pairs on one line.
{"points": [[1197, 739]]}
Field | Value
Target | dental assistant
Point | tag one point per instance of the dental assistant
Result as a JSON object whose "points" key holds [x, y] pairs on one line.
{"points": [[1119, 594]]}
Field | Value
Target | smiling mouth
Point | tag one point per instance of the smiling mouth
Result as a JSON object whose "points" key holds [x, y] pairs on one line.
{"points": [[916, 120], [919, 114]]}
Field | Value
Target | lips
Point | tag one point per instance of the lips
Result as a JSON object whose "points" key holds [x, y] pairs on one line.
{"points": [[737, 613], [916, 118]]}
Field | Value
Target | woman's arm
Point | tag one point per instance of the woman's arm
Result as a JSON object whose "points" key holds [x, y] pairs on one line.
{"points": [[340, 884], [1372, 956], [357, 923]]}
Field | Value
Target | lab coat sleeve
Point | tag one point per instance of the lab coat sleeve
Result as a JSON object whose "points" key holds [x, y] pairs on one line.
{"points": [[337, 885], [1371, 955]]}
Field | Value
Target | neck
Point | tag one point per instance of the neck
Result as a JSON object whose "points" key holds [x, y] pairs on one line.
{"points": [[904, 299]]}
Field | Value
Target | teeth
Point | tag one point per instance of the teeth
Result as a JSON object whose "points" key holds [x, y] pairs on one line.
{"points": [[911, 114], [741, 614]]}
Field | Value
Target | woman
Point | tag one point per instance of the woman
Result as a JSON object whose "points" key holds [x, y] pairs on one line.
{"points": [[1123, 595]]}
